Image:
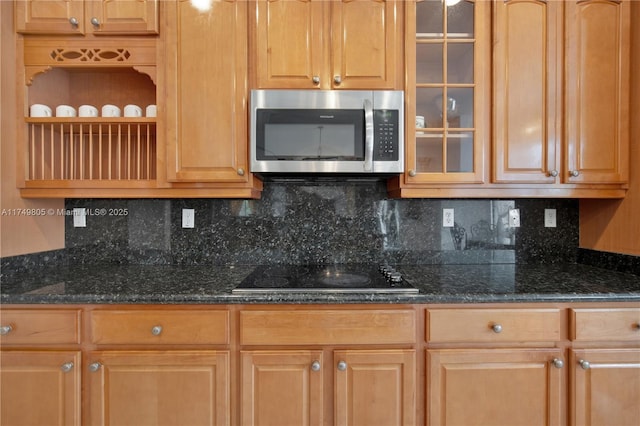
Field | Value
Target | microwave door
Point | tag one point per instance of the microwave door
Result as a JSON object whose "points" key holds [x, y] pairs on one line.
{"points": [[368, 136]]}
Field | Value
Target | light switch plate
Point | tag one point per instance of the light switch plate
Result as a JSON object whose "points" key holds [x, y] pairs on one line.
{"points": [[188, 218], [550, 218], [79, 218], [447, 218], [514, 218]]}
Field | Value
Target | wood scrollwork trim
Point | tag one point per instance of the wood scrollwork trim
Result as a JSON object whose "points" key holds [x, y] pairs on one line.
{"points": [[32, 71]]}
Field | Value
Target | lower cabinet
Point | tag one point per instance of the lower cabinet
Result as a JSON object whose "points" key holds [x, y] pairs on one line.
{"points": [[159, 387], [40, 388], [495, 387]]}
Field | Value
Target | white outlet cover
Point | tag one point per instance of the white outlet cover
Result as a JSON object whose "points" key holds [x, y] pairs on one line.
{"points": [[188, 218], [79, 217], [550, 218], [514, 218], [447, 218]]}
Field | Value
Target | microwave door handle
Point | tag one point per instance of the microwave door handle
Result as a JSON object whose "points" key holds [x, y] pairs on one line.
{"points": [[368, 136]]}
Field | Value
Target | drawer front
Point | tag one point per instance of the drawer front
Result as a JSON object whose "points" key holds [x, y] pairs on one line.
{"points": [[493, 325], [39, 326], [163, 327], [327, 327], [605, 324]]}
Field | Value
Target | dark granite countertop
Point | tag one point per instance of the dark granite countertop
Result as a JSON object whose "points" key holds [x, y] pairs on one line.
{"points": [[111, 284]]}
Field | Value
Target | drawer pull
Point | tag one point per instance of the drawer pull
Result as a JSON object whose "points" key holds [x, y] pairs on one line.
{"points": [[497, 328], [584, 364], [157, 330], [66, 367], [315, 366], [342, 366], [5, 329], [95, 367], [558, 363]]}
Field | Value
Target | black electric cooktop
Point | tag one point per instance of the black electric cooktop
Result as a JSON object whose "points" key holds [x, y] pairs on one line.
{"points": [[331, 278]]}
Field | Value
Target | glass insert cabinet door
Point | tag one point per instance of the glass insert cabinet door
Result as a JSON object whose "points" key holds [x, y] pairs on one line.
{"points": [[448, 93]]}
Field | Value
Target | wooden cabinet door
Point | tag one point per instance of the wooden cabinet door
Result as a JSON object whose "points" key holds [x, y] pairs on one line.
{"points": [[366, 44], [50, 16], [282, 388], [606, 391], [375, 387], [123, 16], [206, 73], [289, 41], [527, 91], [40, 388], [495, 387], [597, 91], [159, 387]]}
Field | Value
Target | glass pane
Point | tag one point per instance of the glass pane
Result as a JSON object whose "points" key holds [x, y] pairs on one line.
{"points": [[459, 108], [459, 152], [429, 63], [460, 19], [429, 153], [429, 18], [460, 63], [428, 107]]}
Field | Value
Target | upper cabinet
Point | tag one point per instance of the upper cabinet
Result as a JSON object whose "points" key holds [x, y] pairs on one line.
{"points": [[538, 138], [314, 44], [87, 16]]}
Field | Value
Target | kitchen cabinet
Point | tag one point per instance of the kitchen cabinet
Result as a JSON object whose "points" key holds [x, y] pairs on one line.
{"points": [[40, 366], [605, 366], [296, 365], [494, 366], [155, 366], [206, 95], [66, 17], [582, 57], [327, 45]]}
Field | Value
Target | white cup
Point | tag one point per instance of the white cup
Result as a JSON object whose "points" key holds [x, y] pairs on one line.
{"points": [[39, 110], [87, 111], [109, 110], [132, 111], [420, 123], [65, 111], [151, 111]]}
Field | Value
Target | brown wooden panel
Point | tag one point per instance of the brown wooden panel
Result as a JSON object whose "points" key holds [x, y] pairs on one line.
{"points": [[41, 326], [605, 324]]}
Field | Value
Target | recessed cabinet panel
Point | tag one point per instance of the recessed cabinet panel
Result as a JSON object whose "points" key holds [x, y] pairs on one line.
{"points": [[50, 16]]}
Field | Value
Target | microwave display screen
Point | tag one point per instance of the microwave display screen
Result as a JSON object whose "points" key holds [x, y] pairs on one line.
{"points": [[309, 141]]}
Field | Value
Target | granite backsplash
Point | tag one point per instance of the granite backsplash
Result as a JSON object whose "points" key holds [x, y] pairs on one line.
{"points": [[342, 222]]}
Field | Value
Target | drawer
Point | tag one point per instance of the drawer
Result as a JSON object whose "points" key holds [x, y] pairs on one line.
{"points": [[164, 327], [605, 324], [327, 327], [493, 325], [40, 326]]}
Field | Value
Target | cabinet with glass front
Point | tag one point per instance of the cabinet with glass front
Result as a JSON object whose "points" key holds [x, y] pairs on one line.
{"points": [[448, 70]]}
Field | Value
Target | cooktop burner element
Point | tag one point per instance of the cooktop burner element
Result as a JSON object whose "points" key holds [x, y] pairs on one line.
{"points": [[327, 278]]}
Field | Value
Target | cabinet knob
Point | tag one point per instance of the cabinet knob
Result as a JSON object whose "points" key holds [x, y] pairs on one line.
{"points": [[497, 328], [66, 367], [240, 172], [558, 363], [316, 79], [74, 21], [157, 330], [584, 364], [553, 173], [5, 329], [637, 326], [315, 366], [412, 172], [342, 366], [95, 22], [337, 79], [574, 173], [94, 367]]}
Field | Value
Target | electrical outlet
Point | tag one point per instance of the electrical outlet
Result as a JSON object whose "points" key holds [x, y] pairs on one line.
{"points": [[188, 218], [550, 218], [79, 218], [447, 218], [514, 218]]}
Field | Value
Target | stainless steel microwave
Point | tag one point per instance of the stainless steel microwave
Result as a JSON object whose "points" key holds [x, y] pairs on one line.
{"points": [[327, 131]]}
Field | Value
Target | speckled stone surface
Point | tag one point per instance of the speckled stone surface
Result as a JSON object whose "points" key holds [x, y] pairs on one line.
{"points": [[164, 284]]}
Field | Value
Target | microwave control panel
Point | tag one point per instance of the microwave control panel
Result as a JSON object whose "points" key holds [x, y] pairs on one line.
{"points": [[386, 131]]}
